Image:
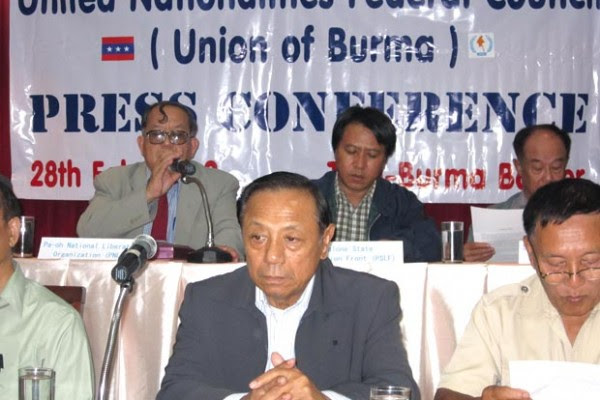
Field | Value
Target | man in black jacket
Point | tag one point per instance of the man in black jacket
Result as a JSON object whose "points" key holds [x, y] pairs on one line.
{"points": [[365, 206]]}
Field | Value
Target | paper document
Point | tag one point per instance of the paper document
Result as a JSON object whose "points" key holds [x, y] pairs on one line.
{"points": [[501, 228], [556, 380]]}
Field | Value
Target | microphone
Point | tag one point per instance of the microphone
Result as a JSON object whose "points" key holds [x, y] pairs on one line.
{"points": [[184, 167], [209, 253], [133, 258]]}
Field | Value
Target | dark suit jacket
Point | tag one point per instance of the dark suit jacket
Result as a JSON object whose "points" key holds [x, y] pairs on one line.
{"points": [[396, 214], [348, 339], [119, 207]]}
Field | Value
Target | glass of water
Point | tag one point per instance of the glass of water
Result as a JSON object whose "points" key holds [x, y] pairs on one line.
{"points": [[383, 392], [36, 383]]}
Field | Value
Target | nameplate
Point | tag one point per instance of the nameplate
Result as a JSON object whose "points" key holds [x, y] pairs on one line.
{"points": [[82, 248], [363, 256]]}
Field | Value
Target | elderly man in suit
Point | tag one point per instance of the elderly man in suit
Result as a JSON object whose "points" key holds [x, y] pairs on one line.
{"points": [[147, 197], [288, 325]]}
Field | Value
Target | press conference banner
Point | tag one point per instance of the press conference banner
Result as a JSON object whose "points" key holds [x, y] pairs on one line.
{"points": [[267, 78]]}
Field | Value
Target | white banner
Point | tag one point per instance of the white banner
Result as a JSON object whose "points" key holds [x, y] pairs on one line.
{"points": [[266, 79]]}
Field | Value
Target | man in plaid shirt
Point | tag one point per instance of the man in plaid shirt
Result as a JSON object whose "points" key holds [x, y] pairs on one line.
{"points": [[365, 206]]}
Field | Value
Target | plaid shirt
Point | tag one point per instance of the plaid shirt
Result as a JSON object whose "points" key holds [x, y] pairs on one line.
{"points": [[351, 223]]}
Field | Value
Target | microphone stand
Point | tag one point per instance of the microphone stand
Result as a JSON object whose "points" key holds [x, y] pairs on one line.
{"points": [[209, 253], [109, 352]]}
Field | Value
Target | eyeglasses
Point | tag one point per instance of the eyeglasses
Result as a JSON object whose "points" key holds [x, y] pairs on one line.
{"points": [[175, 137], [591, 271], [554, 278]]}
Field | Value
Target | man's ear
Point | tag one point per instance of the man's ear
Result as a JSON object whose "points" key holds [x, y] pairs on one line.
{"points": [[14, 229], [194, 144], [517, 165], [326, 240], [140, 143], [530, 253]]}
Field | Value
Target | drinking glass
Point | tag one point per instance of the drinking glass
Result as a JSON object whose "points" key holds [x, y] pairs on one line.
{"points": [[36, 383], [24, 246], [383, 392], [452, 241]]}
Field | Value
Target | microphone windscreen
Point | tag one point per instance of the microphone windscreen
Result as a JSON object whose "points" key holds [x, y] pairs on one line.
{"points": [[146, 242], [184, 167], [187, 168]]}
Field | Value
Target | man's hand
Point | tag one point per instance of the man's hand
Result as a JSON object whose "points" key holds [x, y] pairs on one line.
{"points": [[478, 251], [504, 393], [283, 382], [161, 177], [489, 393]]}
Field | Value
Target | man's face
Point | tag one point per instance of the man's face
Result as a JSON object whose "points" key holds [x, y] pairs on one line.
{"points": [[359, 160], [570, 246], [282, 242], [544, 161], [177, 120], [9, 234]]}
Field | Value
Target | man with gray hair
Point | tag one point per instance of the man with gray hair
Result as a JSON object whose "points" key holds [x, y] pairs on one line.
{"points": [[147, 197], [542, 155]]}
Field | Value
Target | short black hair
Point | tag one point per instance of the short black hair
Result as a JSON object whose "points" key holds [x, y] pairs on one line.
{"points": [[524, 134], [558, 201], [161, 108], [373, 119], [287, 180], [9, 204]]}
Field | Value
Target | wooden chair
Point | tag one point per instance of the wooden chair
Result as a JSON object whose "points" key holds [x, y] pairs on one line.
{"points": [[74, 295]]}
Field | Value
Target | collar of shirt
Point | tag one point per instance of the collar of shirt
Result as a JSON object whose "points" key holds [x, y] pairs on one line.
{"points": [[14, 291], [352, 222], [282, 325], [172, 200], [342, 198]]}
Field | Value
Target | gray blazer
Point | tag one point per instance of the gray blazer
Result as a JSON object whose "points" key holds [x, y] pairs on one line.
{"points": [[348, 339], [119, 208]]}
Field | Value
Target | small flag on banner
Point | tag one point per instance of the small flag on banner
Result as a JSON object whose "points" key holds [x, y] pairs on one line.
{"points": [[117, 48]]}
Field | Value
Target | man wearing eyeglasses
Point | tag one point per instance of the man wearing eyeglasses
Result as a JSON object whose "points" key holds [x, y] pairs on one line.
{"points": [[147, 197], [553, 315]]}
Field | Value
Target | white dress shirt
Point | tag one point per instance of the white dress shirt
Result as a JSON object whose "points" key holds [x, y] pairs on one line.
{"points": [[282, 326]]}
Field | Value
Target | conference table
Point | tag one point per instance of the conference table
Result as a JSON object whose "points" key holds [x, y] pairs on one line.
{"points": [[436, 300]]}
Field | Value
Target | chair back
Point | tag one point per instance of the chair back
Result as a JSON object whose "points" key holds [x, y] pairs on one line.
{"points": [[74, 295]]}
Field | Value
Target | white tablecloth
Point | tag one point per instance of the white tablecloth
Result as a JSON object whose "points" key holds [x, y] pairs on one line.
{"points": [[436, 299]]}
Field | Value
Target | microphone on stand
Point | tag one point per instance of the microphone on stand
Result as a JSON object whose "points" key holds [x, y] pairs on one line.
{"points": [[131, 259], [184, 167], [209, 253], [129, 262]]}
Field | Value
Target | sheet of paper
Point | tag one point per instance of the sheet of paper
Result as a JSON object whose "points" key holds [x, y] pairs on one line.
{"points": [[501, 228], [556, 380]]}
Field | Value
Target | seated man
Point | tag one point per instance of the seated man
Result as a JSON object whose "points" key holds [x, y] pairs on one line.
{"points": [[542, 155], [37, 328], [364, 205], [553, 315], [147, 197], [289, 324]]}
